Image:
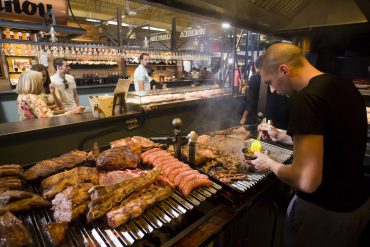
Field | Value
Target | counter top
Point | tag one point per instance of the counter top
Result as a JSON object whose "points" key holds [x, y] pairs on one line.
{"points": [[11, 130]]}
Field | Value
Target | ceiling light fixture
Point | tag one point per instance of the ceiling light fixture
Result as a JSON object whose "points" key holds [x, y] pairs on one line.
{"points": [[155, 28], [93, 20], [115, 24], [225, 25]]}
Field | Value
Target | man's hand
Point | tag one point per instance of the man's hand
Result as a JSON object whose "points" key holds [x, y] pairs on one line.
{"points": [[262, 162]]}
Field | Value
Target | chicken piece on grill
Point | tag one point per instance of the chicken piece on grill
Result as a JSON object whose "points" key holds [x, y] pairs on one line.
{"points": [[11, 183], [10, 170], [23, 203], [56, 232], [72, 202], [13, 232], [61, 181], [52, 166], [117, 158], [127, 142], [114, 177]]}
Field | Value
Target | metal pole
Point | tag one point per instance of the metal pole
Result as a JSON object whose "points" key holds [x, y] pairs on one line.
{"points": [[119, 26], [235, 57], [173, 35], [246, 58]]}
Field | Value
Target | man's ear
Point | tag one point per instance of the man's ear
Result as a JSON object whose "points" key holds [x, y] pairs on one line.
{"points": [[284, 69]]}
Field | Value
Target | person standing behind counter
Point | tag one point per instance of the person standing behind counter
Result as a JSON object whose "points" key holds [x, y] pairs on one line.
{"points": [[141, 77], [65, 84], [29, 104], [331, 206]]}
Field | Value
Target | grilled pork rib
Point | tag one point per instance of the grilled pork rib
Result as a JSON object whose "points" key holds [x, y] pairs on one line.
{"points": [[61, 181], [69, 160], [56, 232], [104, 198], [10, 170], [71, 202], [133, 207], [10, 183], [23, 203]]}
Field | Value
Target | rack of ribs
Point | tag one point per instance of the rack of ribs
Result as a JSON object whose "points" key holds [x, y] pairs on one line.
{"points": [[52, 166]]}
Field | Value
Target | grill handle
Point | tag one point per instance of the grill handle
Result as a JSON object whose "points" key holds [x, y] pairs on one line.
{"points": [[192, 137]]}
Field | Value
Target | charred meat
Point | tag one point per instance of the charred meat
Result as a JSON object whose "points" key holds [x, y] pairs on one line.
{"points": [[23, 203], [10, 170], [56, 232], [69, 160], [114, 177], [117, 158], [13, 232], [11, 183], [134, 206], [61, 181], [71, 203], [104, 198], [127, 142], [9, 196]]}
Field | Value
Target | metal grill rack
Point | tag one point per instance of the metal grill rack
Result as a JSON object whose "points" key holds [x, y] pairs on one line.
{"points": [[277, 153], [99, 234]]}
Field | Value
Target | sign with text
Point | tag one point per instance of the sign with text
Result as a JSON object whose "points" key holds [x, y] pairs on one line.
{"points": [[33, 10], [183, 34]]}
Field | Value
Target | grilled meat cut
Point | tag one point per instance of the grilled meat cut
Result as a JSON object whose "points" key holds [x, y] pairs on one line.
{"points": [[69, 160], [134, 206], [13, 232], [114, 177], [23, 203], [72, 202], [11, 183], [10, 170], [127, 142], [13, 195], [61, 181], [56, 232], [104, 198], [117, 158]]}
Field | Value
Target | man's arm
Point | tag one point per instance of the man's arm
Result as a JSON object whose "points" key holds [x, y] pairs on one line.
{"points": [[141, 85], [305, 173], [75, 96]]}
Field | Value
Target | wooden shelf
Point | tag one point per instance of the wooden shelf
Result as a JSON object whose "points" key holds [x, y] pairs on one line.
{"points": [[19, 56], [15, 72]]}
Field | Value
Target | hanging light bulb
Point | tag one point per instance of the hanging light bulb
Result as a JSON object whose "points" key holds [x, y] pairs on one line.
{"points": [[53, 35]]}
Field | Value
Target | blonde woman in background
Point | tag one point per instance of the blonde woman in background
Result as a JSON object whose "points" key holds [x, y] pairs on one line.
{"points": [[49, 95], [30, 105]]}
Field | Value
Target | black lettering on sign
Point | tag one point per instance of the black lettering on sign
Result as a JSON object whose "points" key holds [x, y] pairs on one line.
{"points": [[132, 123], [29, 8]]}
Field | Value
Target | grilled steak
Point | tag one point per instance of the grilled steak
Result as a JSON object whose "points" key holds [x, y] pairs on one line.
{"points": [[13, 232], [10, 170], [66, 161], [104, 198], [23, 204], [56, 232], [134, 206], [61, 181], [10, 183], [71, 202], [117, 158]]}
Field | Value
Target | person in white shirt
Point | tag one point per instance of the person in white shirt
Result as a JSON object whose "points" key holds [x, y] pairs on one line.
{"points": [[65, 84], [141, 77]]}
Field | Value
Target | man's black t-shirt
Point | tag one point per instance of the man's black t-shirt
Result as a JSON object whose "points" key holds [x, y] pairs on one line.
{"points": [[333, 107], [252, 98]]}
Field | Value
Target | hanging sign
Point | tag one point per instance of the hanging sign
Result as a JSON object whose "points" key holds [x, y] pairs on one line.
{"points": [[33, 10], [192, 32], [183, 34]]}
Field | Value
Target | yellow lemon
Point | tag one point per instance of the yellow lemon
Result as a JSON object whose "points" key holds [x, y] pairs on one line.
{"points": [[256, 146]]}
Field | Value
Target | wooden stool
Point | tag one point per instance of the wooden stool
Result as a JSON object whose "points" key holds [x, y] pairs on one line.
{"points": [[122, 103]]}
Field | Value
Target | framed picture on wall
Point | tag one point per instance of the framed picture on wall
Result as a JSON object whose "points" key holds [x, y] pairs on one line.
{"points": [[1, 69]]}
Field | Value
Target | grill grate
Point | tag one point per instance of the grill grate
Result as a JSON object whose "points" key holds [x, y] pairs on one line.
{"points": [[99, 234], [277, 153]]}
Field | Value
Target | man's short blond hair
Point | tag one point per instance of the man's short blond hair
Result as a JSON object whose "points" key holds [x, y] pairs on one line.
{"points": [[282, 53], [29, 82]]}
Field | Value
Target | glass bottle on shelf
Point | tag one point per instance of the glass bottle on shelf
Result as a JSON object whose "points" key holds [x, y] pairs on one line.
{"points": [[11, 34]]}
